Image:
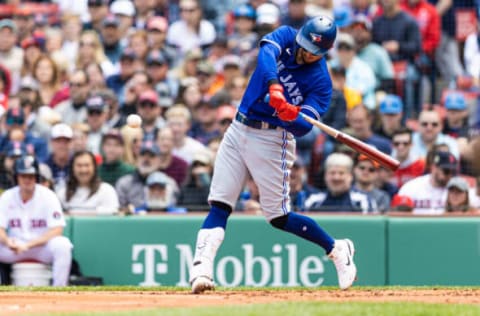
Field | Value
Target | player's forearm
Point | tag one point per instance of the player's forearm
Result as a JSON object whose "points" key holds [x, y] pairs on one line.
{"points": [[3, 236], [53, 232], [443, 5]]}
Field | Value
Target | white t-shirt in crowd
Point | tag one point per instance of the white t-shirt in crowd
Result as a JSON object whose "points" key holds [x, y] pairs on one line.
{"points": [[428, 200], [29, 220], [104, 201]]}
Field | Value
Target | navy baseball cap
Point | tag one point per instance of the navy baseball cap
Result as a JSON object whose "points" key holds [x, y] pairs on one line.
{"points": [[445, 160], [128, 53], [149, 147], [111, 20], [455, 101], [96, 103], [156, 58], [391, 104], [245, 11]]}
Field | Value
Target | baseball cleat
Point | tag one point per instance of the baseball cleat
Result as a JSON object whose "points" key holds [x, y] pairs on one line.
{"points": [[202, 284], [342, 257]]}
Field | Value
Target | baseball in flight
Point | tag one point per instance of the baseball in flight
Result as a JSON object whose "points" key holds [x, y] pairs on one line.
{"points": [[134, 121]]}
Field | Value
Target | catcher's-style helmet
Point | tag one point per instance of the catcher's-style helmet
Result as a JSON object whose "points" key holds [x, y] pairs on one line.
{"points": [[317, 35], [26, 165]]}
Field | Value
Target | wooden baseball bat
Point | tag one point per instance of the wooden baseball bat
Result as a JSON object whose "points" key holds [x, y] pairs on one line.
{"points": [[356, 144]]}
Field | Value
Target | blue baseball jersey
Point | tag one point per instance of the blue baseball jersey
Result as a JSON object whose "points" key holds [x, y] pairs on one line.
{"points": [[308, 86]]}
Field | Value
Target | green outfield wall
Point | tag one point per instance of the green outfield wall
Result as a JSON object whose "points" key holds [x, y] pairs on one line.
{"points": [[157, 250]]}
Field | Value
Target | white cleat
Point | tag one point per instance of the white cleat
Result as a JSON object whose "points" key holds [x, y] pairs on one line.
{"points": [[342, 257], [202, 284]]}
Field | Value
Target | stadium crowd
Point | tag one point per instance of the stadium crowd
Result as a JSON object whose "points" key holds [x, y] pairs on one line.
{"points": [[406, 78]]}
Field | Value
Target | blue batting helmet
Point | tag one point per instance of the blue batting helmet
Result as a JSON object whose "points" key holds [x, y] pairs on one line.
{"points": [[26, 165], [317, 35]]}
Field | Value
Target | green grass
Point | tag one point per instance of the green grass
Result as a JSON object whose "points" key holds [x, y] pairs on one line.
{"points": [[306, 309]]}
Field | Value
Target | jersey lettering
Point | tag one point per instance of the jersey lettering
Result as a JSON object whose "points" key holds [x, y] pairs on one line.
{"points": [[38, 223], [291, 86], [15, 223]]}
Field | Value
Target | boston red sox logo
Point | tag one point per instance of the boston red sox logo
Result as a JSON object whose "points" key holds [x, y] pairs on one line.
{"points": [[316, 38]]}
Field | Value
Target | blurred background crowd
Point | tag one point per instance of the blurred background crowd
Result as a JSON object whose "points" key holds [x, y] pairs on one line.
{"points": [[405, 75]]}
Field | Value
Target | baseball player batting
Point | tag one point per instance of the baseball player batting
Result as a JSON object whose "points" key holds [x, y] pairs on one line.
{"points": [[261, 141], [31, 223]]}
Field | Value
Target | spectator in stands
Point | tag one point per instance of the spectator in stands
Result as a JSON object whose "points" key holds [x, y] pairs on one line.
{"points": [[268, 18], [399, 34], [161, 194], [151, 113], [455, 123], [71, 27], [428, 21], [244, 39], [205, 127], [430, 133], [343, 15], [236, 89], [80, 136], [391, 111], [207, 79], [98, 11], [111, 36], [131, 188], [372, 53], [117, 82], [339, 195], [85, 193], [352, 97], [11, 56], [300, 190], [458, 196], [411, 166], [16, 130], [249, 199], [35, 125], [113, 150], [296, 15], [124, 11], [360, 120], [171, 165], [96, 120], [158, 69], [143, 10], [138, 42], [45, 71], [359, 75], [179, 120], [224, 117], [96, 79], [471, 55], [45, 177], [132, 137], [14, 150], [366, 173], [402, 203], [74, 110], [115, 119], [157, 27], [61, 149], [429, 192], [187, 66], [194, 194], [32, 50], [191, 30], [368, 8], [91, 50]]}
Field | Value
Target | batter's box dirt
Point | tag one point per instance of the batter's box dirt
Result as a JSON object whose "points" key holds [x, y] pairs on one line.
{"points": [[18, 303]]}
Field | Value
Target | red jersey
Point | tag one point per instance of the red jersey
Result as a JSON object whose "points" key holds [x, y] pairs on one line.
{"points": [[428, 22], [408, 170]]}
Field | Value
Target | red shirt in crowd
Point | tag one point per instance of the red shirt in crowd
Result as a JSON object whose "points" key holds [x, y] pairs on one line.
{"points": [[407, 171], [429, 24]]}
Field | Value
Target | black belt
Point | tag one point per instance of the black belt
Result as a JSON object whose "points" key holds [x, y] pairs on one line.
{"points": [[253, 123]]}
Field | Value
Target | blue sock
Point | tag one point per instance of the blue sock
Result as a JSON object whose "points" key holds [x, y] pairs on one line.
{"points": [[217, 217], [308, 229]]}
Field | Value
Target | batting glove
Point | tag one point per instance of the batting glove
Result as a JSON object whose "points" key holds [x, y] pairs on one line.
{"points": [[288, 112], [277, 99]]}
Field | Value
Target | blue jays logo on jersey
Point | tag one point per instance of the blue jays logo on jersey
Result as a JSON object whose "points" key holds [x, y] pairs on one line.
{"points": [[316, 38]]}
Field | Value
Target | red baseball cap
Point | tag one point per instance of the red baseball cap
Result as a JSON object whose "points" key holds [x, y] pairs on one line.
{"points": [[148, 95], [158, 23], [402, 203]]}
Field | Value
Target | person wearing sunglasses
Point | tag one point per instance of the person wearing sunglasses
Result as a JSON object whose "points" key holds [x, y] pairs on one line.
{"points": [[429, 192], [430, 133], [411, 166], [366, 174]]}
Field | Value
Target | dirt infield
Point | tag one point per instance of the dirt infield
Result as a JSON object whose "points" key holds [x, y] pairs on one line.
{"points": [[16, 303]]}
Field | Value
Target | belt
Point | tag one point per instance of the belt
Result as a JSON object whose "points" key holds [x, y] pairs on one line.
{"points": [[253, 123]]}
